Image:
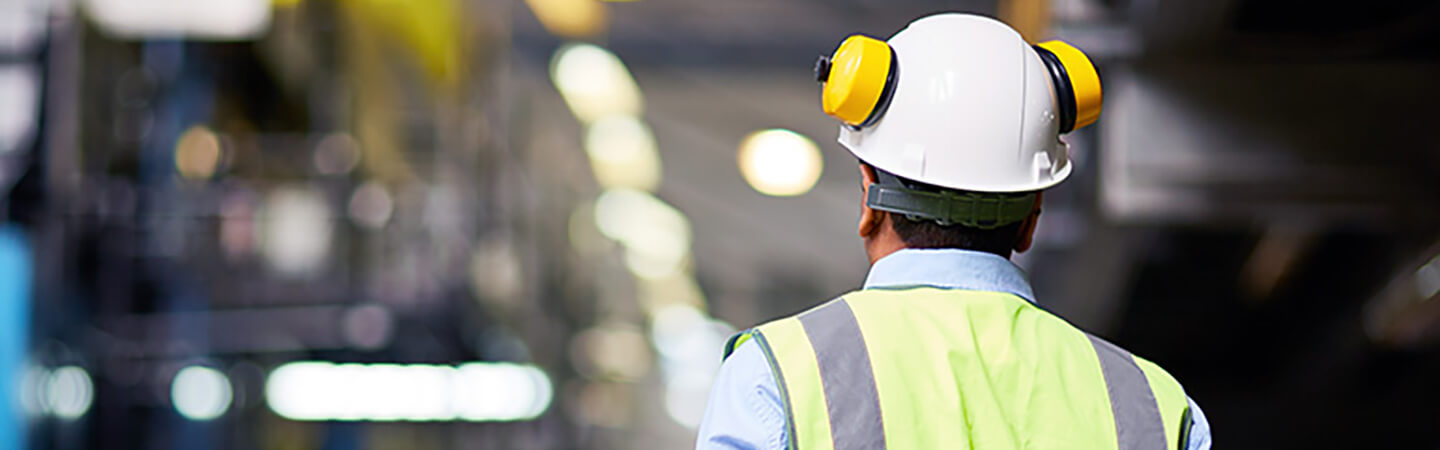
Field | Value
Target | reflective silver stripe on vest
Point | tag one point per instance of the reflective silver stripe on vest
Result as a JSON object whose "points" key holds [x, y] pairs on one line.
{"points": [[1137, 417], [845, 374]]}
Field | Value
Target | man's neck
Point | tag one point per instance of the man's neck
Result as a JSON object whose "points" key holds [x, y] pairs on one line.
{"points": [[883, 246], [876, 256], [885, 241]]}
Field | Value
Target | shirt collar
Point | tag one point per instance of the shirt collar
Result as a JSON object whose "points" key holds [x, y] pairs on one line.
{"points": [[949, 269]]}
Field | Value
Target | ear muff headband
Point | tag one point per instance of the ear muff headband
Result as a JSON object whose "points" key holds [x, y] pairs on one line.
{"points": [[1077, 84], [859, 80]]}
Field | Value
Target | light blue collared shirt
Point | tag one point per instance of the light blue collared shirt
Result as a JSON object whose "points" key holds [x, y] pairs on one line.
{"points": [[745, 409]]}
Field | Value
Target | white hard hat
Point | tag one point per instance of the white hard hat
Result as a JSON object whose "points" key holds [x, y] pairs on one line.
{"points": [[962, 102]]}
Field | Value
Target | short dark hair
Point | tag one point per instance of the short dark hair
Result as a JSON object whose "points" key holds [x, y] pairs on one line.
{"points": [[923, 233], [929, 234]]}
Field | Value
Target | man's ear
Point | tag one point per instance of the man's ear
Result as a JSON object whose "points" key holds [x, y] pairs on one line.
{"points": [[1027, 229], [870, 220]]}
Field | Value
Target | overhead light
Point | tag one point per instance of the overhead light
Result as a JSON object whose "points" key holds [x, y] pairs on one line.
{"points": [[486, 392], [656, 236], [69, 392], [780, 162], [477, 392], [296, 230], [381, 392], [201, 393], [197, 153], [571, 18], [623, 154], [210, 19], [594, 83]]}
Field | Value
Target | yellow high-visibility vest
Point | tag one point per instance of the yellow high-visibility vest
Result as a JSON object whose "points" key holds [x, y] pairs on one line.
{"points": [[929, 368]]}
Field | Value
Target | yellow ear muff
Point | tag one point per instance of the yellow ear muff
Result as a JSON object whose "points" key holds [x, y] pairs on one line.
{"points": [[858, 80], [1077, 84]]}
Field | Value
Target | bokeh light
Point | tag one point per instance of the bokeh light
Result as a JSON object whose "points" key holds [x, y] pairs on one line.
{"points": [[212, 19], [595, 83], [570, 18], [336, 154], [201, 393], [656, 236], [780, 162], [479, 392], [623, 154], [371, 205], [69, 392], [197, 153], [296, 230]]}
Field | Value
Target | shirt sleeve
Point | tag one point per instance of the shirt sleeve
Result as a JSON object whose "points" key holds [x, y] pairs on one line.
{"points": [[744, 411], [1199, 428]]}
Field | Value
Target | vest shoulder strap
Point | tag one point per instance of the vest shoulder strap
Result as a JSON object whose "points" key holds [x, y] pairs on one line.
{"points": [[1174, 404], [736, 341]]}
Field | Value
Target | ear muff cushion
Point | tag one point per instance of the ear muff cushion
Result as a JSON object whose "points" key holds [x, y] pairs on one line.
{"points": [[1064, 93], [1081, 77], [860, 80]]}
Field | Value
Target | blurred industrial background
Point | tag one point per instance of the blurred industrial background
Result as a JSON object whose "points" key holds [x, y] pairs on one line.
{"points": [[456, 224]]}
